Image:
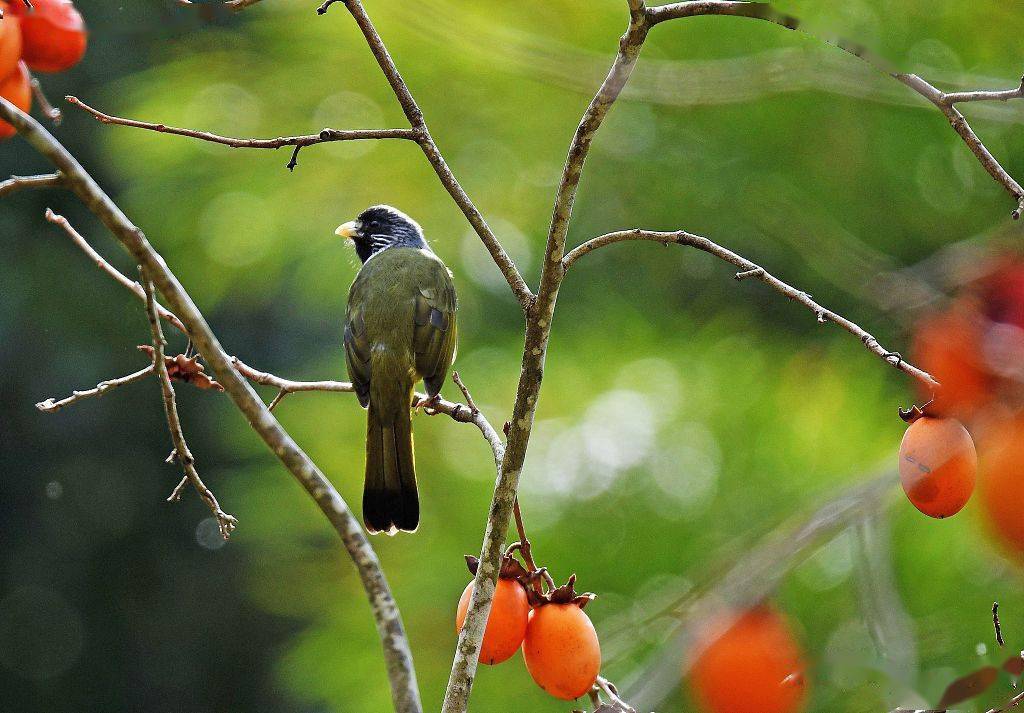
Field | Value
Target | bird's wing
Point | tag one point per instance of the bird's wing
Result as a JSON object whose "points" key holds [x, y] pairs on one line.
{"points": [[434, 336], [357, 347]]}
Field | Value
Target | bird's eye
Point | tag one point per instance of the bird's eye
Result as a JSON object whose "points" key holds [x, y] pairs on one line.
{"points": [[374, 225]]}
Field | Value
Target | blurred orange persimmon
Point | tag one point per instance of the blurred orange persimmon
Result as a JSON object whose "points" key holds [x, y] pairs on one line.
{"points": [[754, 666]]}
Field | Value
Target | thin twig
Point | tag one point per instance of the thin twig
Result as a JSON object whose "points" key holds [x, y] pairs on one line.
{"points": [[17, 183], [480, 421], [238, 5], [225, 522], [391, 632], [751, 270], [608, 689], [131, 285], [53, 405], [324, 136], [456, 411], [52, 113]]}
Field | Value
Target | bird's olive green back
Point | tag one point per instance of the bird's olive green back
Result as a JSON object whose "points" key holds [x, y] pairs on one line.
{"points": [[402, 303]]}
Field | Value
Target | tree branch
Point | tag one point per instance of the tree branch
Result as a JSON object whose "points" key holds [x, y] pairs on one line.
{"points": [[481, 422], [325, 135], [226, 523], [17, 183], [238, 5], [52, 405], [750, 269], [397, 656], [134, 287], [458, 412]]}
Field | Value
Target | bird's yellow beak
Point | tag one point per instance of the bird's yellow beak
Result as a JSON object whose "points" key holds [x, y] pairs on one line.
{"points": [[347, 230]]}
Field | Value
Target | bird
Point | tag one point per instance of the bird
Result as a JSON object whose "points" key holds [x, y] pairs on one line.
{"points": [[400, 327]]}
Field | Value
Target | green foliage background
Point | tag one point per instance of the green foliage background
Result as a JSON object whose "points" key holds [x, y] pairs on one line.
{"points": [[683, 415]]}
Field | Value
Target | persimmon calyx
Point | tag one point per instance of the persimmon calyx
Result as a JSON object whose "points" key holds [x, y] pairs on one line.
{"points": [[566, 594], [510, 567]]}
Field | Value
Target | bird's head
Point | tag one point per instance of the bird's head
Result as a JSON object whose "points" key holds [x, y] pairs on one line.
{"points": [[380, 227]]}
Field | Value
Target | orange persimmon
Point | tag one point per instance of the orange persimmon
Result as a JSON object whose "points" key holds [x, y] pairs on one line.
{"points": [[17, 89], [506, 623], [10, 41], [561, 649], [1001, 483], [938, 464], [53, 34], [948, 345], [754, 665]]}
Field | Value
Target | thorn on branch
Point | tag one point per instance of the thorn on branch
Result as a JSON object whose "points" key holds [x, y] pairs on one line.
{"points": [[294, 161]]}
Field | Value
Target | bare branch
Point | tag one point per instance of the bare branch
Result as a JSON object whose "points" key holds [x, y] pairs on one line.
{"points": [[752, 270], [225, 522], [238, 5], [397, 656], [617, 705], [324, 136], [134, 287], [458, 412], [982, 95], [480, 421], [695, 8], [17, 183], [52, 113], [52, 405]]}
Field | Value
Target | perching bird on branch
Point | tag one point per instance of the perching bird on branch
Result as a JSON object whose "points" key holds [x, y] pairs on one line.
{"points": [[399, 328]]}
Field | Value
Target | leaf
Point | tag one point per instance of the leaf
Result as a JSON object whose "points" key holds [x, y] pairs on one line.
{"points": [[969, 686]]}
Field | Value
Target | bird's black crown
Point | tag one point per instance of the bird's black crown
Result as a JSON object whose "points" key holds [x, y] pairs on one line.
{"points": [[380, 227]]}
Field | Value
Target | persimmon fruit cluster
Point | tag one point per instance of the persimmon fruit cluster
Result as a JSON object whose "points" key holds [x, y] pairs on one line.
{"points": [[48, 37], [559, 643], [751, 663], [938, 464]]}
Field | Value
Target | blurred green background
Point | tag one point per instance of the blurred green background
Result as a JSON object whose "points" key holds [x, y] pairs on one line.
{"points": [[683, 415]]}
